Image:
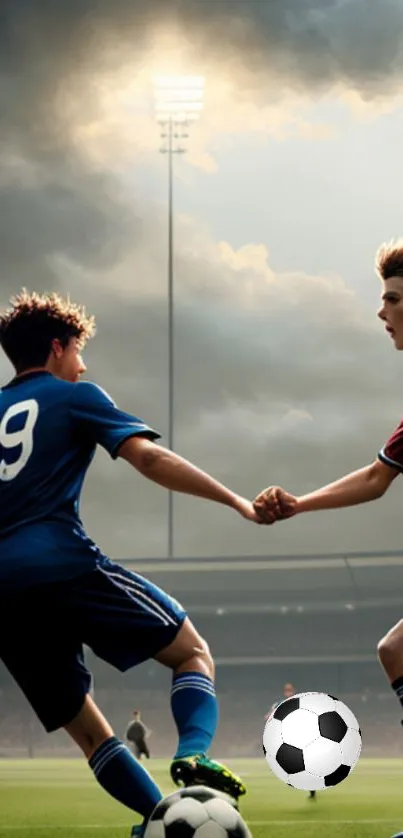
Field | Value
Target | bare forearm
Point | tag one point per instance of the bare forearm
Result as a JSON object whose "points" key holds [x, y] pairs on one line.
{"points": [[175, 473], [358, 487]]}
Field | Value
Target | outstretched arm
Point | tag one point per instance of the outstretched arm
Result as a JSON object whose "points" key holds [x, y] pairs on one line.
{"points": [[127, 436], [173, 472], [360, 486], [366, 484]]}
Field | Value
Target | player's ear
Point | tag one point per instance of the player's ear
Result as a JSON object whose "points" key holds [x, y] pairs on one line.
{"points": [[57, 348]]}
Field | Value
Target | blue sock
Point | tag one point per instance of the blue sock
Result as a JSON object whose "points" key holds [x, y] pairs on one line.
{"points": [[195, 710], [119, 773]]}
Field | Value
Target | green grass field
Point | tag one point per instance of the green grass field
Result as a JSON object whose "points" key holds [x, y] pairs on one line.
{"points": [[44, 797]]}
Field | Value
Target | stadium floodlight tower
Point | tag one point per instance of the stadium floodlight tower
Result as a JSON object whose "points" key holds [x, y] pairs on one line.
{"points": [[178, 102]]}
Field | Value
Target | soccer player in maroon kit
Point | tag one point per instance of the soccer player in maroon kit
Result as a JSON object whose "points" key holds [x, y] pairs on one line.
{"points": [[372, 481]]}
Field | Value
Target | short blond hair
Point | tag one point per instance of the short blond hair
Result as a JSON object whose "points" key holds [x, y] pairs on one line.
{"points": [[34, 320], [389, 259]]}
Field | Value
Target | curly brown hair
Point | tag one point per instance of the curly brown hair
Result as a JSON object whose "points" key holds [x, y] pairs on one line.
{"points": [[389, 259], [34, 320]]}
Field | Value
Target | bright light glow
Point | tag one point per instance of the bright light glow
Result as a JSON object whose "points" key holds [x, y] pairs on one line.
{"points": [[178, 98], [182, 82]]}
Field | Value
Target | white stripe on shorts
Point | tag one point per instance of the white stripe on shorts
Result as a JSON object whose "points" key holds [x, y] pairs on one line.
{"points": [[132, 589]]}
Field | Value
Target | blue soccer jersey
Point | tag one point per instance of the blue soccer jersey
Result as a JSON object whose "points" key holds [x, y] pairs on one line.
{"points": [[49, 430]]}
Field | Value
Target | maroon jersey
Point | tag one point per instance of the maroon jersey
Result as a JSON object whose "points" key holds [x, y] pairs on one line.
{"points": [[392, 452]]}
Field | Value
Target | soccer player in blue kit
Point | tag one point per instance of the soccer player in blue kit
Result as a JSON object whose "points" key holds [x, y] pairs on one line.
{"points": [[58, 591]]}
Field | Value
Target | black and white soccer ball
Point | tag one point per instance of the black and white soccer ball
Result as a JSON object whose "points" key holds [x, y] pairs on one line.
{"points": [[312, 741], [196, 812]]}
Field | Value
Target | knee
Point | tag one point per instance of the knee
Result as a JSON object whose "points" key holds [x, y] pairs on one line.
{"points": [[207, 658], [199, 657], [189, 651], [391, 644]]}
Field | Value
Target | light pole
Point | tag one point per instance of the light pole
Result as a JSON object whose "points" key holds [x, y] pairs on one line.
{"points": [[178, 101]]}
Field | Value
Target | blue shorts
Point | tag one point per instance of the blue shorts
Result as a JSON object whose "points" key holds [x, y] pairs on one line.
{"points": [[121, 616]]}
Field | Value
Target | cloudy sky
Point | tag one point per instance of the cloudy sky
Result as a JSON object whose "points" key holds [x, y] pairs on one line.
{"points": [[290, 183]]}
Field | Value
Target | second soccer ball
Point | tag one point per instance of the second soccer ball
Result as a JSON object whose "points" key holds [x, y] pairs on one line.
{"points": [[312, 741]]}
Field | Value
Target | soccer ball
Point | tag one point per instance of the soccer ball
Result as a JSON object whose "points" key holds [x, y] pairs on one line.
{"points": [[196, 812], [312, 741]]}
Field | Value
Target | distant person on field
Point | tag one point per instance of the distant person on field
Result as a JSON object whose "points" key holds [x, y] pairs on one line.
{"points": [[137, 734]]}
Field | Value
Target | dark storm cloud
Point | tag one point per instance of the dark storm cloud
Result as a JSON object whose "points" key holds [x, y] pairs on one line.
{"points": [[49, 47], [83, 217], [45, 44]]}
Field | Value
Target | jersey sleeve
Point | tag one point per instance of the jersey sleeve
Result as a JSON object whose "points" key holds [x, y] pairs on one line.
{"points": [[392, 452], [100, 418]]}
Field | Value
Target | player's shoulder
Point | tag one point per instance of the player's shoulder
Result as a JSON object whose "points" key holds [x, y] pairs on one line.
{"points": [[89, 391], [75, 393]]}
